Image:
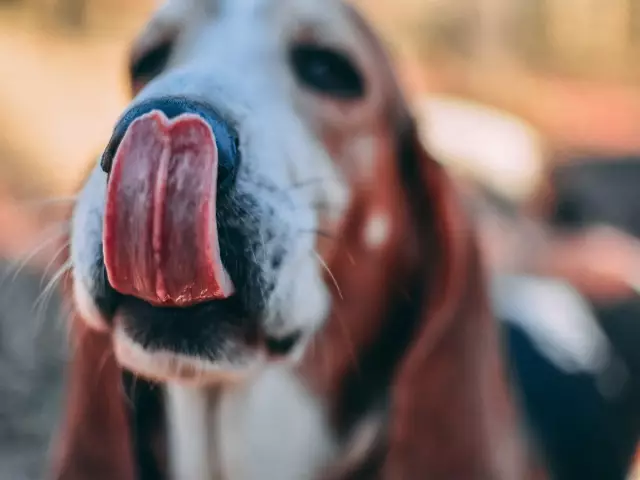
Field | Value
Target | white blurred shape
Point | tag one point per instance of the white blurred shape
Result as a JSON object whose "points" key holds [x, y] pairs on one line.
{"points": [[557, 320], [491, 146]]}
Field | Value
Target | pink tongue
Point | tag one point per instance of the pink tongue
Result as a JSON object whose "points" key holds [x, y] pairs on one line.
{"points": [[160, 234]]}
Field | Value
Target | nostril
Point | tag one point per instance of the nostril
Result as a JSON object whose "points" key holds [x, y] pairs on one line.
{"points": [[106, 160], [282, 346], [226, 138], [228, 161]]}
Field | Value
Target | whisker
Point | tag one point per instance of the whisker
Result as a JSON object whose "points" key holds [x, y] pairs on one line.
{"points": [[75, 340], [58, 252], [102, 365], [48, 202], [49, 289], [46, 296], [326, 206], [18, 265], [59, 206], [307, 183], [130, 393], [328, 270], [322, 208], [320, 233], [66, 311], [343, 325]]}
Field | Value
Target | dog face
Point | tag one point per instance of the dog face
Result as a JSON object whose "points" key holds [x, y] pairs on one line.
{"points": [[289, 98]]}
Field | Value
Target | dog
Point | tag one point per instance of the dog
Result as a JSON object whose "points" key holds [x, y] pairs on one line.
{"points": [[273, 278]]}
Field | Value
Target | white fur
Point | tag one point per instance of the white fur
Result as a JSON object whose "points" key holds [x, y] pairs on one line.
{"points": [[362, 442], [87, 309], [86, 228], [272, 429], [163, 364], [189, 438], [269, 428], [233, 55], [377, 231]]}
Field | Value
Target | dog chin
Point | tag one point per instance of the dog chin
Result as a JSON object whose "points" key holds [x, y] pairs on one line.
{"points": [[165, 366]]}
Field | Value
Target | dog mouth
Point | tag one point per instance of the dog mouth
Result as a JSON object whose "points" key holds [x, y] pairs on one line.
{"points": [[179, 287], [160, 237], [184, 342]]}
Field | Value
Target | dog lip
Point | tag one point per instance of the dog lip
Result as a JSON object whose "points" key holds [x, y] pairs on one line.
{"points": [[201, 328], [282, 346], [165, 365]]}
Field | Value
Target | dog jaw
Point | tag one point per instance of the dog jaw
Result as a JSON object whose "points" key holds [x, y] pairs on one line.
{"points": [[290, 185]]}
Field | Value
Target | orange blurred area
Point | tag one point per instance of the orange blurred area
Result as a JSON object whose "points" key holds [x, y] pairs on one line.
{"points": [[66, 81], [63, 92], [62, 88]]}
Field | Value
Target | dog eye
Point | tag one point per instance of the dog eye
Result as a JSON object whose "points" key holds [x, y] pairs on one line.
{"points": [[150, 64], [327, 71]]}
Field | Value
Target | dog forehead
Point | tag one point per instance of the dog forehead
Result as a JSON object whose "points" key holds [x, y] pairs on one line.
{"points": [[329, 21], [263, 8]]}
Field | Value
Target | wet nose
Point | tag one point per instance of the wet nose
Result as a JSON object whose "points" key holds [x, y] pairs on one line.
{"points": [[225, 135]]}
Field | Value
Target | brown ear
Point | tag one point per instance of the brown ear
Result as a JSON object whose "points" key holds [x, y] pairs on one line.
{"points": [[453, 415], [410, 318], [94, 441]]}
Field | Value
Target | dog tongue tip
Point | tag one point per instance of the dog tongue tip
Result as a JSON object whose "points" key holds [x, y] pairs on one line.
{"points": [[153, 251]]}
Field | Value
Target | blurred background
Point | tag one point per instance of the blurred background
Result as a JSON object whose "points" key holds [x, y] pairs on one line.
{"points": [[566, 70], [533, 104], [567, 67]]}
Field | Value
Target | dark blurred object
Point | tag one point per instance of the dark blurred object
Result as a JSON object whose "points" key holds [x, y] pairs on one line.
{"points": [[592, 190], [603, 190], [582, 418], [582, 434]]}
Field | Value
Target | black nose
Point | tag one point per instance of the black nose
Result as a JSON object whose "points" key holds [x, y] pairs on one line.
{"points": [[226, 137]]}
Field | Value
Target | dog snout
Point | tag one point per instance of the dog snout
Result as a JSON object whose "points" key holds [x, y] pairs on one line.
{"points": [[226, 136], [167, 162]]}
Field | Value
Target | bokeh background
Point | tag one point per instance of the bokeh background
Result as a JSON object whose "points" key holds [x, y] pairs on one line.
{"points": [[567, 67], [545, 94]]}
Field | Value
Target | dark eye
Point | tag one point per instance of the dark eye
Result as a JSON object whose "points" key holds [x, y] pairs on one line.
{"points": [[150, 64], [327, 71]]}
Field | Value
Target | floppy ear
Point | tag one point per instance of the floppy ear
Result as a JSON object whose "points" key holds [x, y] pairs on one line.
{"points": [[452, 412], [410, 323], [94, 441]]}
